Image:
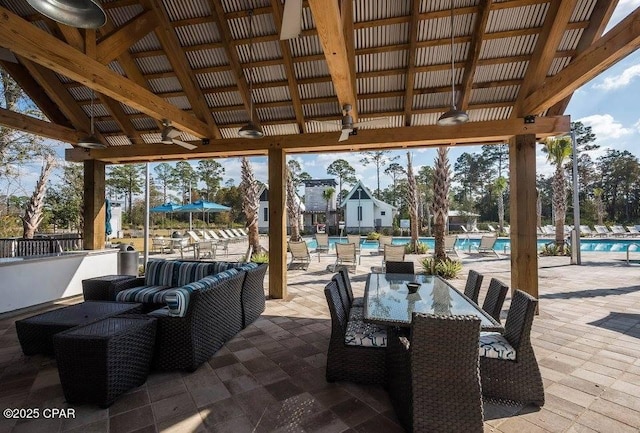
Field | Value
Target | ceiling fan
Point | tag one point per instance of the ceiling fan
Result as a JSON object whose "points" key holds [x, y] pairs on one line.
{"points": [[349, 127], [291, 20], [170, 135]]}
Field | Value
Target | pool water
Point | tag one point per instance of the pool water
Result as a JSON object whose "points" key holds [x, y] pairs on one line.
{"points": [[502, 244]]}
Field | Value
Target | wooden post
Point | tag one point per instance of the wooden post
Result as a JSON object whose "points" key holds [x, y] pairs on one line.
{"points": [[94, 207], [277, 224], [522, 173]]}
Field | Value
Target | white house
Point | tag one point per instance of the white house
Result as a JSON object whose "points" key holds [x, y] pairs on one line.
{"points": [[263, 212], [364, 213]]}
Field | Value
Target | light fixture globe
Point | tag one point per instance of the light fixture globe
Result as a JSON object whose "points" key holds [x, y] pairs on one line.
{"points": [[86, 14], [453, 117], [91, 142], [251, 130]]}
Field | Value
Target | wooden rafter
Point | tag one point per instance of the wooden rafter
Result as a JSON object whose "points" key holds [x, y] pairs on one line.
{"points": [[331, 34], [234, 59], [276, 6], [411, 73], [28, 41], [473, 57], [557, 18], [75, 39], [346, 13], [599, 19], [19, 121], [181, 67], [617, 43], [118, 41], [392, 138], [33, 89]]}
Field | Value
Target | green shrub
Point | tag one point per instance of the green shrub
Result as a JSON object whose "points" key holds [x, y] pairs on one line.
{"points": [[447, 269], [261, 257], [422, 248], [373, 236], [551, 249]]}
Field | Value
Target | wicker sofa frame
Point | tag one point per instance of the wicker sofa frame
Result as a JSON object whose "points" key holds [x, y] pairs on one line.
{"points": [[366, 365], [253, 297], [518, 380]]}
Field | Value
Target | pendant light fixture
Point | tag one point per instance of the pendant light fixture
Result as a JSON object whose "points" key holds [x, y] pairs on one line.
{"points": [[453, 116], [91, 142], [86, 14], [251, 129]]}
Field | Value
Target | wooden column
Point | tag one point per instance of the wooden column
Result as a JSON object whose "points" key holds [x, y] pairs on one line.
{"points": [[522, 173], [277, 224], [94, 207]]}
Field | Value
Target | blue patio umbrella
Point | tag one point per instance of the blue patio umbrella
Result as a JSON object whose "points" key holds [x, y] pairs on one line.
{"points": [[203, 206], [107, 216], [166, 208]]}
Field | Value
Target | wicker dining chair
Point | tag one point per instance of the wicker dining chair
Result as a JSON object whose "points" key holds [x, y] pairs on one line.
{"points": [[354, 301], [494, 299], [433, 380], [472, 287], [518, 379], [359, 364], [399, 268]]}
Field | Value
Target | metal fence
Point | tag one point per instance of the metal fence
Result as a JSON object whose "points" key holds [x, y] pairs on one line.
{"points": [[41, 244]]}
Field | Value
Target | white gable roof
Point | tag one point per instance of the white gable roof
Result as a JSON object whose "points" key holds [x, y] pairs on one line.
{"points": [[376, 202]]}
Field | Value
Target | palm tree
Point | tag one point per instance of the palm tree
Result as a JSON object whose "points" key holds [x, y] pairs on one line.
{"points": [[413, 203], [293, 210], [558, 150], [250, 205], [499, 186], [327, 195], [440, 205]]}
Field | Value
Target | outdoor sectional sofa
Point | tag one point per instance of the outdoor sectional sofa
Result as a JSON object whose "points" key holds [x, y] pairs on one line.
{"points": [[199, 306]]}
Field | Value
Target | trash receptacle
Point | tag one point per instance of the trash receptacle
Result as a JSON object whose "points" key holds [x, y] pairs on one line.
{"points": [[128, 260]]}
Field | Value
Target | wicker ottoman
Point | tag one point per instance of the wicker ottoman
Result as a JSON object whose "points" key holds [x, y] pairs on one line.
{"points": [[36, 332], [106, 287], [102, 360]]}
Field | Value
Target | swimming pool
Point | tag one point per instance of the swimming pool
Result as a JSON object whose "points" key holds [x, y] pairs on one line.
{"points": [[502, 244]]}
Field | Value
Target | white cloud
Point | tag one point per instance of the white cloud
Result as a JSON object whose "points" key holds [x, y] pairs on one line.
{"points": [[605, 127], [619, 81], [637, 125]]}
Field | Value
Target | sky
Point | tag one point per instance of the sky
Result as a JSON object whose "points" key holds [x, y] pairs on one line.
{"points": [[608, 103]]}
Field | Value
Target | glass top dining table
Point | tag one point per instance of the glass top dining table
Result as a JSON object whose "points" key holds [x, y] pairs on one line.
{"points": [[387, 300]]}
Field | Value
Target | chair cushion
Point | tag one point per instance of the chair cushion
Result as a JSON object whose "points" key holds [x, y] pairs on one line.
{"points": [[494, 345], [160, 312], [211, 280], [160, 273], [356, 313], [144, 294], [360, 333], [188, 272]]}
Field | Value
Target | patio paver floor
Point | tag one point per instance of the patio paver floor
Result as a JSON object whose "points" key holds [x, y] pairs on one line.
{"points": [[270, 377]]}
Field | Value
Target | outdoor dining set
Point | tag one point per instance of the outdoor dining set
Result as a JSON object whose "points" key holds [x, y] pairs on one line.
{"points": [[437, 352]]}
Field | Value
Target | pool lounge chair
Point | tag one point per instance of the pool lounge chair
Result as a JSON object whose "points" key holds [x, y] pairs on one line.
{"points": [[602, 231], [299, 254], [585, 231], [202, 247], [355, 239], [633, 231], [346, 255], [392, 253], [218, 241], [487, 245], [322, 244], [618, 230], [382, 241], [450, 244]]}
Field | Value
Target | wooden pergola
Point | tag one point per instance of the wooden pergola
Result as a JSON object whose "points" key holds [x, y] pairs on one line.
{"points": [[516, 65]]}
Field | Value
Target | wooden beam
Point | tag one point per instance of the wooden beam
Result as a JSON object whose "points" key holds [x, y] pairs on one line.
{"points": [[598, 20], [277, 224], [26, 40], [346, 13], [524, 246], [94, 207], [473, 56], [326, 15], [181, 67], [615, 45], [234, 59], [119, 41], [557, 18], [276, 6], [411, 73], [37, 94], [497, 131], [29, 124]]}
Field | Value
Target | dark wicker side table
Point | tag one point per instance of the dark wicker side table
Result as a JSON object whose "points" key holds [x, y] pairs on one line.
{"points": [[106, 287], [35, 333], [100, 361]]}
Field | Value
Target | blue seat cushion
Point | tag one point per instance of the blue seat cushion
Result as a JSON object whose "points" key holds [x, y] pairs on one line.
{"points": [[494, 345], [188, 272], [178, 299], [360, 333], [144, 294], [161, 273]]}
